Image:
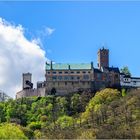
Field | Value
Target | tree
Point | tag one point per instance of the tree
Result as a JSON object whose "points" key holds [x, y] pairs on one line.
{"points": [[123, 92], [2, 113], [76, 103], [96, 104], [106, 115], [61, 106], [125, 70], [34, 125], [64, 122], [11, 131]]}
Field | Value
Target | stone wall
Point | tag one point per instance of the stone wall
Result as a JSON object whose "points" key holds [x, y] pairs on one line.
{"points": [[63, 87], [31, 92]]}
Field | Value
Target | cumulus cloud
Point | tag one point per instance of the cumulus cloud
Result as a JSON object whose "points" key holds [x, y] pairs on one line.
{"points": [[18, 55]]}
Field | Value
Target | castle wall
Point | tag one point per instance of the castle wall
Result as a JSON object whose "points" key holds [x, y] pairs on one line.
{"points": [[63, 87], [30, 93]]}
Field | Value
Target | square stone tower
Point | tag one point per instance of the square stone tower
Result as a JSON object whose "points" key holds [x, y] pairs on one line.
{"points": [[103, 58], [27, 81]]}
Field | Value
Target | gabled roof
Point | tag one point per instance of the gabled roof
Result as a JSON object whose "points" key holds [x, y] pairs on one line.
{"points": [[114, 69], [62, 66]]}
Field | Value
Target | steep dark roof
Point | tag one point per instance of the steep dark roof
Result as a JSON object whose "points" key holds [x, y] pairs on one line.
{"points": [[114, 69], [97, 70], [121, 73], [127, 76]]}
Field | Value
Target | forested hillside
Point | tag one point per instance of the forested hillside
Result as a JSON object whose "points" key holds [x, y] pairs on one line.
{"points": [[108, 114]]}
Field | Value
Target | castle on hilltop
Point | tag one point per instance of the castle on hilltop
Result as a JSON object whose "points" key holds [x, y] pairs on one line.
{"points": [[62, 79]]}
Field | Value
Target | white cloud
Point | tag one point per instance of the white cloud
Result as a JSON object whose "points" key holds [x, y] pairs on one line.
{"points": [[18, 55], [49, 31], [45, 32]]}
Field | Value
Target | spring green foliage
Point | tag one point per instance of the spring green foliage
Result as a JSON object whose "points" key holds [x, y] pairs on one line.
{"points": [[79, 116], [11, 131], [123, 92], [125, 70], [35, 126], [2, 113], [64, 122]]}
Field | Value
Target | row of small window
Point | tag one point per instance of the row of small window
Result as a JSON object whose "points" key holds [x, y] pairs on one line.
{"points": [[85, 77], [126, 79], [72, 83], [66, 72]]}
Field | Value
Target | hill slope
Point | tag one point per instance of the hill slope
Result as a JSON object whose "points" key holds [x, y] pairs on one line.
{"points": [[106, 115]]}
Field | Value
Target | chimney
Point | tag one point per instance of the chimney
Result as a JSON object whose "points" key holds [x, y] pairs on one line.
{"points": [[51, 65], [69, 67], [91, 65]]}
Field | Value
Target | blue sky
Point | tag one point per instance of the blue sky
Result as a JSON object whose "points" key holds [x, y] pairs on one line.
{"points": [[81, 28]]}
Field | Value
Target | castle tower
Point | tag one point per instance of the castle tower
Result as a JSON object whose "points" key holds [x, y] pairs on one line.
{"points": [[27, 81], [103, 58]]}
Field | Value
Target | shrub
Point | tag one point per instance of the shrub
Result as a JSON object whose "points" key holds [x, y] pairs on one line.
{"points": [[11, 131], [34, 125]]}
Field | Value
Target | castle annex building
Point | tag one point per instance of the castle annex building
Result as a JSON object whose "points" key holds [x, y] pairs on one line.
{"points": [[62, 79]]}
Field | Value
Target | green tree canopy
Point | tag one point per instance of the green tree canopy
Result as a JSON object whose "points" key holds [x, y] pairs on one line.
{"points": [[125, 70], [78, 116], [11, 131], [65, 121]]}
